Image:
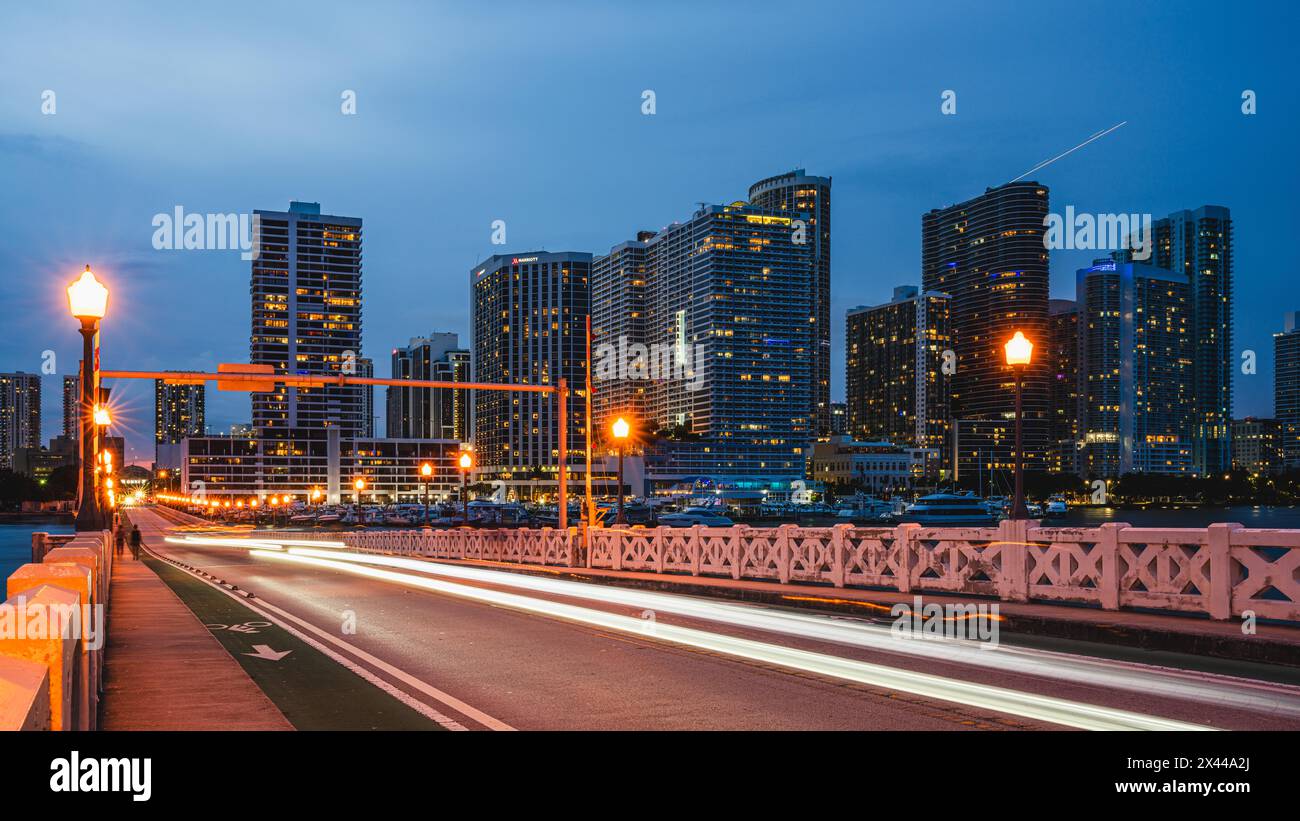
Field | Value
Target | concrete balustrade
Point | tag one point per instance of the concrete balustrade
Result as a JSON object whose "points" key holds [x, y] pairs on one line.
{"points": [[1224, 571], [46, 621], [24, 694], [56, 605]]}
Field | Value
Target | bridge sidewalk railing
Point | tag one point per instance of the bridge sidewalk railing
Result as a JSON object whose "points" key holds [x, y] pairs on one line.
{"points": [[1223, 571]]}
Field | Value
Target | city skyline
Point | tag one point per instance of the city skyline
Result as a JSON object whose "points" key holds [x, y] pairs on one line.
{"points": [[888, 170]]}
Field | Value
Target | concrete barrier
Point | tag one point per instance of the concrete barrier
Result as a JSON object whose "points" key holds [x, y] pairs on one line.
{"points": [[24, 694], [94, 623], [45, 620], [78, 578]]}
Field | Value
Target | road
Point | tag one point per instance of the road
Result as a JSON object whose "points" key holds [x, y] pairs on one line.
{"points": [[495, 649]]}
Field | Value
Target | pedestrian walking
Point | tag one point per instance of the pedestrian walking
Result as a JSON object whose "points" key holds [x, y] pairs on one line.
{"points": [[119, 542], [135, 541]]}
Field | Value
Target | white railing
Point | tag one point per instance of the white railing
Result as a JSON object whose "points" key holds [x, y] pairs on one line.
{"points": [[1224, 570]]}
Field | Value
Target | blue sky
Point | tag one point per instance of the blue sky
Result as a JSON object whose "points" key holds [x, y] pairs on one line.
{"points": [[531, 113]]}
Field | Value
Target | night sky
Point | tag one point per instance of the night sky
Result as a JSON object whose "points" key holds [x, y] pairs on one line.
{"points": [[478, 112]]}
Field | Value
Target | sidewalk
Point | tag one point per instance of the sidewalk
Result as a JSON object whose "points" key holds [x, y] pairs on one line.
{"points": [[164, 671], [1271, 643]]}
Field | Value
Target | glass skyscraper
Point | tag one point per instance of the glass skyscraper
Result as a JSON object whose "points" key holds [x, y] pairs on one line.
{"points": [[1286, 387]]}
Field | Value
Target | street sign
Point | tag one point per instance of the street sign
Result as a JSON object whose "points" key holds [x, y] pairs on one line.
{"points": [[246, 385]]}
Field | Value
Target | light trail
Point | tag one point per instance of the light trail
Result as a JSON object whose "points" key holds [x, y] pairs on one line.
{"points": [[1278, 699], [1011, 702], [1046, 163]]}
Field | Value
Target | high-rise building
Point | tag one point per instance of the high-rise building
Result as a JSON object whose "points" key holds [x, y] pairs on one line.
{"points": [[306, 318], [20, 415], [429, 413], [529, 327], [1198, 245], [839, 418], [1062, 352], [793, 194], [1257, 445], [897, 391], [177, 412], [71, 407], [618, 323], [1286, 387], [365, 367], [988, 254], [728, 343], [1135, 369]]}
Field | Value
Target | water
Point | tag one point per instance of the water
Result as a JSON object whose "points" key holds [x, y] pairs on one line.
{"points": [[16, 541], [1257, 516]]}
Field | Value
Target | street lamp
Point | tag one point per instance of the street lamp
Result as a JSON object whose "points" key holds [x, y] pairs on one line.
{"points": [[426, 475], [1019, 352], [466, 463], [88, 302], [621, 430], [359, 485]]}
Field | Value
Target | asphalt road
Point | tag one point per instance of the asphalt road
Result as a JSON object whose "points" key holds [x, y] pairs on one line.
{"points": [[503, 650]]}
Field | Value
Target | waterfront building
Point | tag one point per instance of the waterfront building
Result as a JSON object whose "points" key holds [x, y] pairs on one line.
{"points": [[726, 338], [873, 466], [988, 254], [1136, 358], [894, 380], [1257, 446], [529, 314], [1065, 447], [798, 193], [1286, 387], [1197, 244]]}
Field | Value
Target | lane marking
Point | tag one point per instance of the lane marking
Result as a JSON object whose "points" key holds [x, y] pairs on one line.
{"points": [[1213, 688], [262, 608], [1023, 704]]}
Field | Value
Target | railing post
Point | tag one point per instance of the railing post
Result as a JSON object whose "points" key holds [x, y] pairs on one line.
{"points": [[696, 548], [905, 541], [784, 552], [1219, 542], [1108, 544], [616, 547], [839, 552], [737, 551], [1013, 580], [658, 545]]}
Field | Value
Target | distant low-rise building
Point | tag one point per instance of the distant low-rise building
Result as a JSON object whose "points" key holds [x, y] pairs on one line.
{"points": [[873, 466], [1257, 445]]}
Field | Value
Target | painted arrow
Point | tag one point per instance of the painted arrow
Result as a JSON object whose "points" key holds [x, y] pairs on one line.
{"points": [[264, 651]]}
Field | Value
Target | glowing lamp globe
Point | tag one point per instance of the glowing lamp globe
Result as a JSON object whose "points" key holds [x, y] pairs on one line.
{"points": [[87, 297], [621, 428], [1019, 350], [426, 470], [466, 461]]}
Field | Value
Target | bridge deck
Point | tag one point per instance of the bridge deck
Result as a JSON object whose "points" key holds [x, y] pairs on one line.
{"points": [[163, 669]]}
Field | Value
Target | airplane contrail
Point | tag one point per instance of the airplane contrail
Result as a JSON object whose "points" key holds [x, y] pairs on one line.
{"points": [[1046, 163]]}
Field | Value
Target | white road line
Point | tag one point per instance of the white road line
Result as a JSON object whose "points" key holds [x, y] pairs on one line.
{"points": [[262, 607], [1011, 702]]}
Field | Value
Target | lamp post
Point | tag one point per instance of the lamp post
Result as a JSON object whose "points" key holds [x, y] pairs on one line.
{"points": [[621, 430], [1019, 352], [359, 485], [88, 302], [466, 462], [426, 474]]}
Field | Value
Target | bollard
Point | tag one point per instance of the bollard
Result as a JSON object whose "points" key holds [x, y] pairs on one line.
{"points": [[44, 633], [78, 579], [24, 694]]}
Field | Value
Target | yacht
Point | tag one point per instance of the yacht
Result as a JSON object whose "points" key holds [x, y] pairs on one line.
{"points": [[695, 516], [1055, 507], [949, 509]]}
